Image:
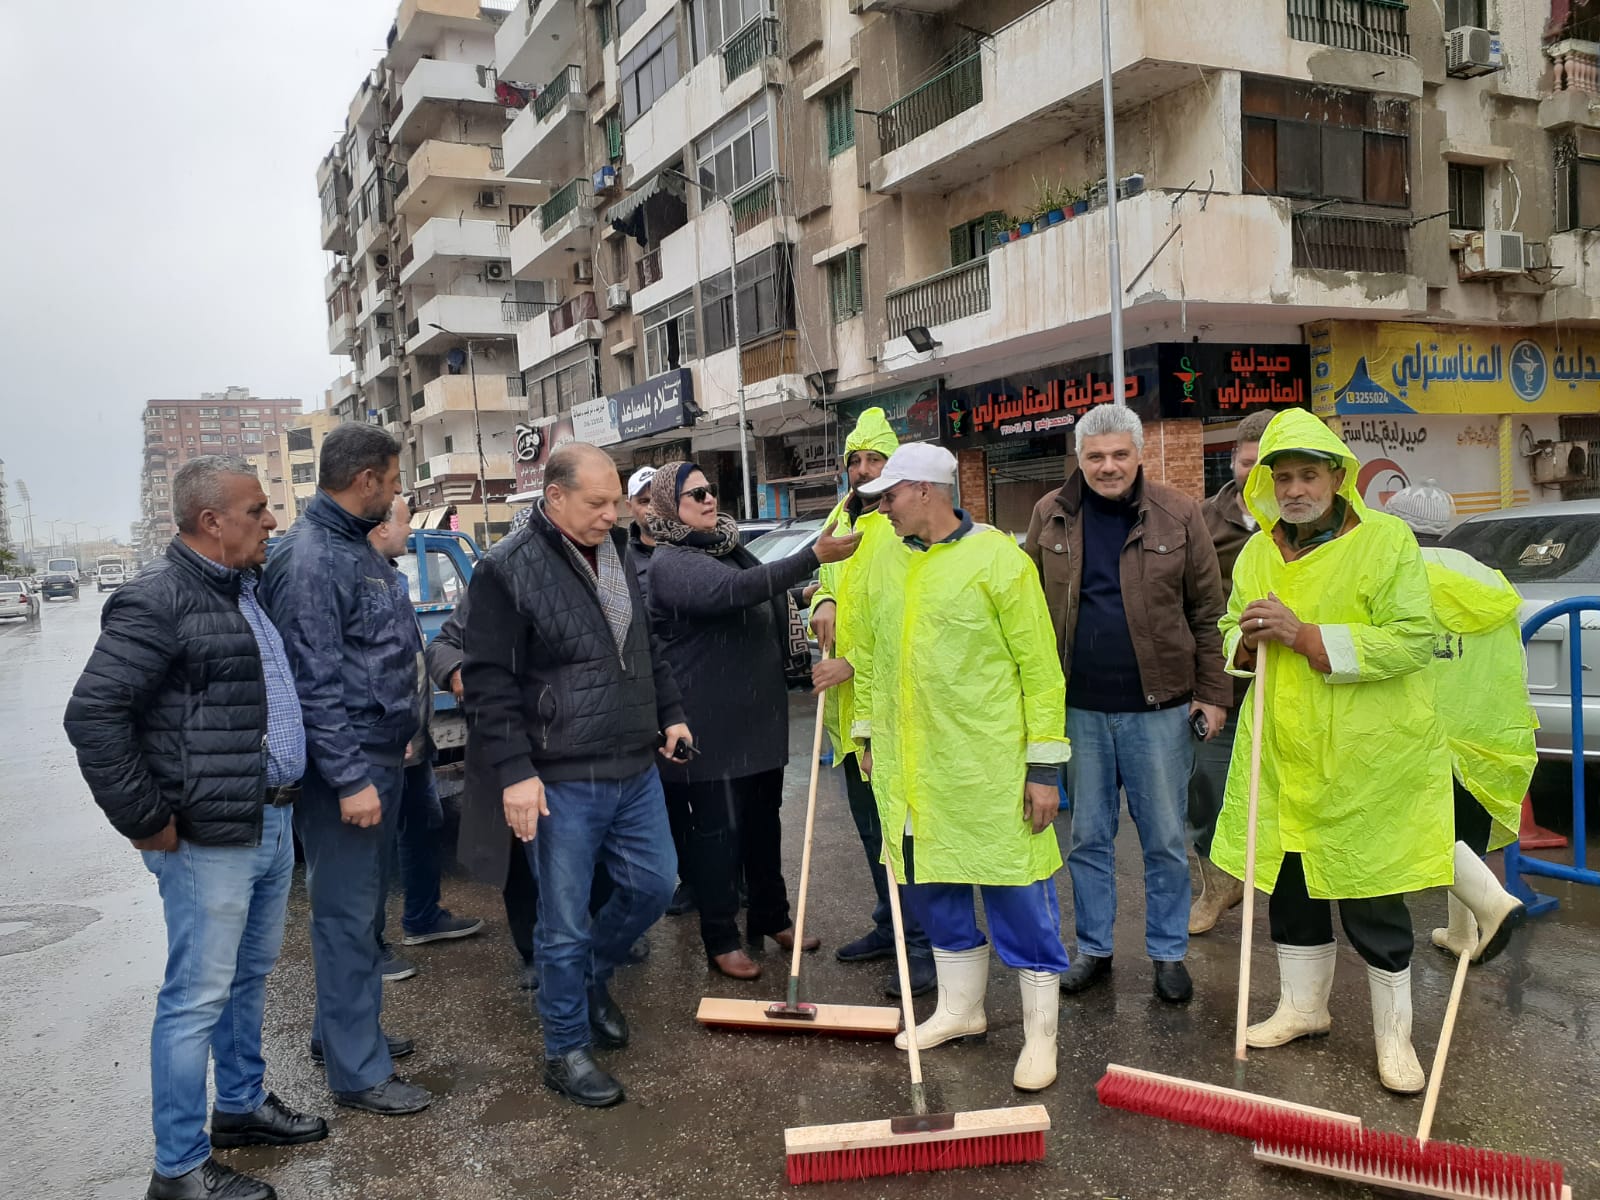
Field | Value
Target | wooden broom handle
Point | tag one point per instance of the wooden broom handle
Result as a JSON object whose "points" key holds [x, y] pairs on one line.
{"points": [[805, 851], [1258, 715], [1436, 1076], [904, 967]]}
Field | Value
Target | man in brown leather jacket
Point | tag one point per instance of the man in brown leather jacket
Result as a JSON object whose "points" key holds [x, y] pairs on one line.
{"points": [[1131, 578], [1231, 526]]}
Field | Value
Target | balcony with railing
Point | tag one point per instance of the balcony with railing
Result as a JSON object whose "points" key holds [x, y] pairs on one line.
{"points": [[460, 317], [1325, 241], [557, 330], [341, 333], [546, 139], [748, 48], [1575, 66], [648, 270], [756, 203], [453, 394], [537, 37], [770, 357], [436, 81], [1371, 26], [441, 175], [564, 223], [948, 94], [459, 465], [443, 242], [948, 296]]}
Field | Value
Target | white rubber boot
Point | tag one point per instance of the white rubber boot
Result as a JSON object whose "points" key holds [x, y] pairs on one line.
{"points": [[1041, 1005], [963, 980], [1305, 981], [1460, 935], [1398, 1068], [1497, 911]]}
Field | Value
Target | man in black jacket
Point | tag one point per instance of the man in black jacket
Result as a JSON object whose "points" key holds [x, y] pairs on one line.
{"points": [[353, 642], [568, 703], [188, 733]]}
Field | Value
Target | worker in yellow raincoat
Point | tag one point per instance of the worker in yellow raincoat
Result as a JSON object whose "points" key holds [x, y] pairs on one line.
{"points": [[1355, 774], [837, 611], [960, 708], [1482, 690]]}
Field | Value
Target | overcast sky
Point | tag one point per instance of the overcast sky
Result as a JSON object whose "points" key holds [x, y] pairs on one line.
{"points": [[161, 222]]}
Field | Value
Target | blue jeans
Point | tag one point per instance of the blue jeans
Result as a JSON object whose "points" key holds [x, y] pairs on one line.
{"points": [[420, 857], [1150, 755], [621, 823], [344, 881], [224, 908]]}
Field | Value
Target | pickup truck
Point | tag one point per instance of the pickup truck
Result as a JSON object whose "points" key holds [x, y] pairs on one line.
{"points": [[437, 569]]}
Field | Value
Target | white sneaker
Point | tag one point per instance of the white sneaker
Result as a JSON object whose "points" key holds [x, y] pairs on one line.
{"points": [[1398, 1068], [1305, 981], [963, 980], [1041, 1006]]}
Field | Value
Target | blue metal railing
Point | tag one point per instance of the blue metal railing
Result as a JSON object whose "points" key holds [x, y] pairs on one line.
{"points": [[1579, 872]]}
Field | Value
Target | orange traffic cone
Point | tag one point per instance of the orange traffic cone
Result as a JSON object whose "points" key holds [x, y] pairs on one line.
{"points": [[1534, 836]]}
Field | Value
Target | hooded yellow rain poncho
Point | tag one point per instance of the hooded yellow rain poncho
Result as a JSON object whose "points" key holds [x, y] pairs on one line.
{"points": [[959, 687], [844, 582], [1355, 773], [1482, 685]]}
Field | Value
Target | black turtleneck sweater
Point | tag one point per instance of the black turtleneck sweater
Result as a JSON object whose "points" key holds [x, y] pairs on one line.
{"points": [[1105, 672]]}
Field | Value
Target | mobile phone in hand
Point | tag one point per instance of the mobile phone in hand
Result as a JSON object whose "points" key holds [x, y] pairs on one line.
{"points": [[1198, 725]]}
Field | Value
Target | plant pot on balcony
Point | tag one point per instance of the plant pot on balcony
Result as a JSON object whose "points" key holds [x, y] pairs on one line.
{"points": [[1001, 238], [1024, 229], [1055, 216]]}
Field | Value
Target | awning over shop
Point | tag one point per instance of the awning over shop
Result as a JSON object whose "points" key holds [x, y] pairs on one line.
{"points": [[658, 184]]}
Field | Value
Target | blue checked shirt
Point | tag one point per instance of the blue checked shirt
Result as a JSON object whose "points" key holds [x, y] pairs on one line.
{"points": [[286, 735]]}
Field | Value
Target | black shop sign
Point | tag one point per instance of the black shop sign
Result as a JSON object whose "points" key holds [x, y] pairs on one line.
{"points": [[655, 406], [1206, 381]]}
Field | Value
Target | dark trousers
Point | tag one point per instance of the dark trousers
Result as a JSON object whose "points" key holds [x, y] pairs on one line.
{"points": [[344, 879], [864, 811], [1208, 782], [1379, 927], [1473, 823], [521, 896], [678, 819], [734, 820], [414, 847]]}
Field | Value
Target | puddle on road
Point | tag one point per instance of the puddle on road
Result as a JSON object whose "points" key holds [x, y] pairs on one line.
{"points": [[25, 927]]}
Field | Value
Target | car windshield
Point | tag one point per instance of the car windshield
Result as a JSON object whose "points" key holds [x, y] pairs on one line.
{"points": [[781, 543], [11, 587], [1535, 549]]}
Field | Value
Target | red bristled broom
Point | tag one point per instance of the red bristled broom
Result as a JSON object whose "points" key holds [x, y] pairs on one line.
{"points": [[922, 1141]]}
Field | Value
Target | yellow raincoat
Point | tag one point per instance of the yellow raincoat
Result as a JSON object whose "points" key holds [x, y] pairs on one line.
{"points": [[844, 582], [959, 687], [1482, 680], [1355, 773]]}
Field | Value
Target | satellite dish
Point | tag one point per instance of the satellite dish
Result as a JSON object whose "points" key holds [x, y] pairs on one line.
{"points": [[456, 358], [381, 259]]}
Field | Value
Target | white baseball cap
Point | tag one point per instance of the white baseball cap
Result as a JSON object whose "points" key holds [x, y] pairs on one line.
{"points": [[639, 480], [915, 462]]}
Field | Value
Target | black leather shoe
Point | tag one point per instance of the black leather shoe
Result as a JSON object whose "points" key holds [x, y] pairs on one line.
{"points": [[610, 1027], [639, 952], [273, 1124], [399, 1047], [1173, 983], [1084, 974], [682, 901], [580, 1079], [394, 1097], [209, 1181], [923, 978], [527, 977]]}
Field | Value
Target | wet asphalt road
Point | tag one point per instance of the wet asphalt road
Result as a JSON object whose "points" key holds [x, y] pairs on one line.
{"points": [[82, 949]]}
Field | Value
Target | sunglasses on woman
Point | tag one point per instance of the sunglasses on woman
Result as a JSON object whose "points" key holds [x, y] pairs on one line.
{"points": [[701, 494]]}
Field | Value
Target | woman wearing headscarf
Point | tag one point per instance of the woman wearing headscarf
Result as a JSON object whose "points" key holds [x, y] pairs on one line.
{"points": [[723, 620]]}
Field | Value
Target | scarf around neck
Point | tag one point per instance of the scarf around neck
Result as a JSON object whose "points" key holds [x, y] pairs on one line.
{"points": [[666, 527]]}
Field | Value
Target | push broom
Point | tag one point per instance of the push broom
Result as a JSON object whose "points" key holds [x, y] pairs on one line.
{"points": [[790, 1015], [922, 1141]]}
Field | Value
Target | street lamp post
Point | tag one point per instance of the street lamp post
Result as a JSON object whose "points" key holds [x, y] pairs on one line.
{"points": [[747, 491], [477, 421], [1113, 248]]}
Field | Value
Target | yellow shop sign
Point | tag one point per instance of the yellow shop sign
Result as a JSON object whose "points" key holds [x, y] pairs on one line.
{"points": [[1361, 368]]}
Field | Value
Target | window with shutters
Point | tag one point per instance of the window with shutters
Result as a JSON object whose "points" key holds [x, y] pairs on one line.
{"points": [[766, 292], [650, 68], [844, 285], [669, 335], [628, 11], [613, 136], [1324, 143], [602, 20], [1578, 181], [974, 239], [716, 307], [1466, 196], [839, 116]]}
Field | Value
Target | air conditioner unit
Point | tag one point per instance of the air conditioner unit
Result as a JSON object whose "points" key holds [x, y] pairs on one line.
{"points": [[617, 297], [383, 320], [583, 271], [1471, 52], [489, 198], [1495, 252], [495, 271]]}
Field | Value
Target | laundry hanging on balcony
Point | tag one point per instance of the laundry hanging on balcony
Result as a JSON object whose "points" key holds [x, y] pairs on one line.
{"points": [[512, 95]]}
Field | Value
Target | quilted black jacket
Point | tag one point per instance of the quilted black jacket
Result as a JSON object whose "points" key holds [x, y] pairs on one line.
{"points": [[546, 691], [169, 717]]}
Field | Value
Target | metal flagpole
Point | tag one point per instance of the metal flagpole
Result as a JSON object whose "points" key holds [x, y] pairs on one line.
{"points": [[1113, 249]]}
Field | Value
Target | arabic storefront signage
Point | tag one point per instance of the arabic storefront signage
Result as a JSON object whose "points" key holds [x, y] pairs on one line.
{"points": [[535, 443], [655, 406], [1166, 380], [595, 422], [1363, 369], [913, 413]]}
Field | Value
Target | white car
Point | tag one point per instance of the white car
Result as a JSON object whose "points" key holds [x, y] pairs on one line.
{"points": [[18, 600], [109, 579]]}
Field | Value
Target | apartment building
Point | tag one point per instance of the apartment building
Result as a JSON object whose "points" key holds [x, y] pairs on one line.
{"points": [[228, 422], [288, 463], [730, 225]]}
